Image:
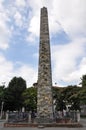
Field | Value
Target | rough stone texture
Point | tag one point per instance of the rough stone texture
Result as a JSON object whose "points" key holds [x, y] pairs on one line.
{"points": [[44, 101]]}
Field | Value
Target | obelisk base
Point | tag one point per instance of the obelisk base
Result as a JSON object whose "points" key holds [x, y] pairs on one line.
{"points": [[44, 120]]}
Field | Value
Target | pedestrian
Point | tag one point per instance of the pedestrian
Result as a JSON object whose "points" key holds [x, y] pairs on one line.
{"points": [[32, 116]]}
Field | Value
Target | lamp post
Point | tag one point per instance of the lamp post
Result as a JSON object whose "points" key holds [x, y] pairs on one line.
{"points": [[1, 110], [2, 103]]}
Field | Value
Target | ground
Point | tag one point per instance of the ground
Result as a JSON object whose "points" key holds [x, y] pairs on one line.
{"points": [[83, 121]]}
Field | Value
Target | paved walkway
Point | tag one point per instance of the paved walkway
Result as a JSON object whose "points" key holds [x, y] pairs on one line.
{"points": [[83, 121]]}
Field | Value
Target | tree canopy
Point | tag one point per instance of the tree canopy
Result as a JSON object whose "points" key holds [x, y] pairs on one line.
{"points": [[30, 98], [83, 81], [13, 94], [17, 95]]}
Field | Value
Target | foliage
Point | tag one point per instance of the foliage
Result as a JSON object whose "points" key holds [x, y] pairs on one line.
{"points": [[82, 92], [59, 99], [16, 96], [71, 97], [1, 95], [75, 102], [82, 96], [67, 96], [30, 96], [13, 94], [83, 81]]}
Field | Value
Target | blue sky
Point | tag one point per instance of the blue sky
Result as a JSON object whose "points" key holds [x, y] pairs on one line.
{"points": [[19, 40]]}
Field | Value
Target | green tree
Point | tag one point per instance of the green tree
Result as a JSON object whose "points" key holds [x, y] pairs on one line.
{"points": [[30, 98], [83, 81], [82, 96], [13, 94], [71, 97], [75, 102], [82, 92], [58, 97], [67, 96], [1, 95]]}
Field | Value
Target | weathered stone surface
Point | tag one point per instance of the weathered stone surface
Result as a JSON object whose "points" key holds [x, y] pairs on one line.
{"points": [[44, 101]]}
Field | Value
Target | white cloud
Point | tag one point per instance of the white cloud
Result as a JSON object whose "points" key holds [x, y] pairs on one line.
{"points": [[20, 3], [34, 23], [30, 39], [35, 5], [69, 16], [75, 76], [18, 19], [34, 26], [28, 73], [33, 29], [4, 29], [6, 68], [8, 71], [4, 35], [67, 60]]}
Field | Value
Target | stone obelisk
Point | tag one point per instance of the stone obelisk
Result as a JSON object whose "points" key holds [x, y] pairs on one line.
{"points": [[44, 92]]}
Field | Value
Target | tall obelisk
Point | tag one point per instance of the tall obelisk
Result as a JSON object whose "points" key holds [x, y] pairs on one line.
{"points": [[44, 92]]}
